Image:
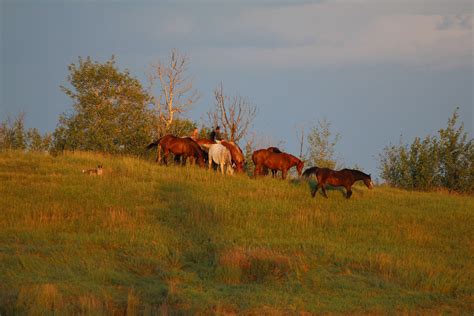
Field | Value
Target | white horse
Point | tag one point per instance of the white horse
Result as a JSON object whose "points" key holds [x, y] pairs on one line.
{"points": [[221, 156]]}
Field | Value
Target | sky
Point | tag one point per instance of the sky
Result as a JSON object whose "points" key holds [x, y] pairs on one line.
{"points": [[376, 70]]}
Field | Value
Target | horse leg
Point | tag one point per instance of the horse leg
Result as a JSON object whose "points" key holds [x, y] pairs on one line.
{"points": [[158, 153], [222, 168], [348, 193], [165, 157], [257, 171], [324, 191], [283, 173], [313, 191]]}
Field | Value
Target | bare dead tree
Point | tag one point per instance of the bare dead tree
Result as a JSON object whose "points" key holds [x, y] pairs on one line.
{"points": [[234, 114], [300, 131], [176, 88]]}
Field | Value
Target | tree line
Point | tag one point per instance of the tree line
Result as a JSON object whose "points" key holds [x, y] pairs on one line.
{"points": [[113, 112]]}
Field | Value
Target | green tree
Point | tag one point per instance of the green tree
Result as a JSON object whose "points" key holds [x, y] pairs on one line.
{"points": [[445, 161], [181, 127], [6, 135], [36, 141], [321, 145], [456, 152], [422, 163], [111, 110], [13, 134]]}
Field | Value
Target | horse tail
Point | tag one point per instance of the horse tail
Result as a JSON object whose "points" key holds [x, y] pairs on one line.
{"points": [[153, 144], [308, 172]]}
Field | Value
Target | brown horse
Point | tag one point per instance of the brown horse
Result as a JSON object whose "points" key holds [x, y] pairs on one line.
{"points": [[344, 178], [259, 156], [283, 162], [183, 147], [236, 154], [201, 141]]}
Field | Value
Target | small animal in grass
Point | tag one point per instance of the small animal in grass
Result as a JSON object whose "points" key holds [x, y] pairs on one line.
{"points": [[94, 172]]}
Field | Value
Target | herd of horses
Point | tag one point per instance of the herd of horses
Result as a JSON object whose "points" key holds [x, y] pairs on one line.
{"points": [[229, 157]]}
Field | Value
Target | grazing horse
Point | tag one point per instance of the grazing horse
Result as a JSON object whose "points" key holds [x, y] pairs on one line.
{"points": [[344, 178], [236, 153], [221, 156], [283, 162], [202, 142], [179, 146], [258, 157]]}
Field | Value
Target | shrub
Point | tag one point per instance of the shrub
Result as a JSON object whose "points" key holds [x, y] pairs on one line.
{"points": [[443, 161]]}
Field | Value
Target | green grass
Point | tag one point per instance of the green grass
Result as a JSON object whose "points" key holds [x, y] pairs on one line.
{"points": [[147, 239]]}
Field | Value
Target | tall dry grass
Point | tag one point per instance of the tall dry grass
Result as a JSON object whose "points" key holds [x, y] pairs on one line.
{"points": [[148, 239]]}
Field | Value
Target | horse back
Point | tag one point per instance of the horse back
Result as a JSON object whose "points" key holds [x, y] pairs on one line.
{"points": [[278, 160], [337, 178], [235, 151], [259, 156]]}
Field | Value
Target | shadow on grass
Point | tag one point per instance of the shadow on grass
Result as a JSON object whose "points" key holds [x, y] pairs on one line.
{"points": [[192, 255]]}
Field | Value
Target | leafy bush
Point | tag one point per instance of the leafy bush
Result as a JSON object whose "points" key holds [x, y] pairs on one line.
{"points": [[13, 135], [111, 111], [442, 161]]}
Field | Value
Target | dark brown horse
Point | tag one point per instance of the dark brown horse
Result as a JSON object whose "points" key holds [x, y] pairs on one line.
{"points": [[259, 156], [180, 147], [283, 162], [236, 154], [344, 178]]}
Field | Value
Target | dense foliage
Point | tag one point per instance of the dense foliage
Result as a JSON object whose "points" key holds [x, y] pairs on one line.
{"points": [[14, 135], [321, 145], [442, 161], [111, 110]]}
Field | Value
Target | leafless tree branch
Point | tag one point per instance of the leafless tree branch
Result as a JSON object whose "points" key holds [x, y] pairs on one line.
{"points": [[235, 114]]}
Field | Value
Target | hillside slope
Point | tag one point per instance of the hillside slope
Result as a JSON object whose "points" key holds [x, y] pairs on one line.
{"points": [[150, 239]]}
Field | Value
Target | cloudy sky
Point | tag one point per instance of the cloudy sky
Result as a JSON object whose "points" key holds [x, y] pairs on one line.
{"points": [[374, 69]]}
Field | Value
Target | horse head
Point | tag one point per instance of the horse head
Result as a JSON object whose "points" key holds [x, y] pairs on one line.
{"points": [[239, 167], [201, 161], [299, 167], [236, 153], [368, 182]]}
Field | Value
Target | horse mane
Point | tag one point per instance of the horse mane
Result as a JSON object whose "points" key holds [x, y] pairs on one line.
{"points": [[275, 150], [293, 157], [308, 172], [357, 173], [237, 146]]}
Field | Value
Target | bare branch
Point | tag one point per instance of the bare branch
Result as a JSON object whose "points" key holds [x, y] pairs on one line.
{"points": [[235, 114], [176, 89]]}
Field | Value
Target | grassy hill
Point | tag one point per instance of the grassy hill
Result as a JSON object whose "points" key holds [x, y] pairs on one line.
{"points": [[149, 239]]}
